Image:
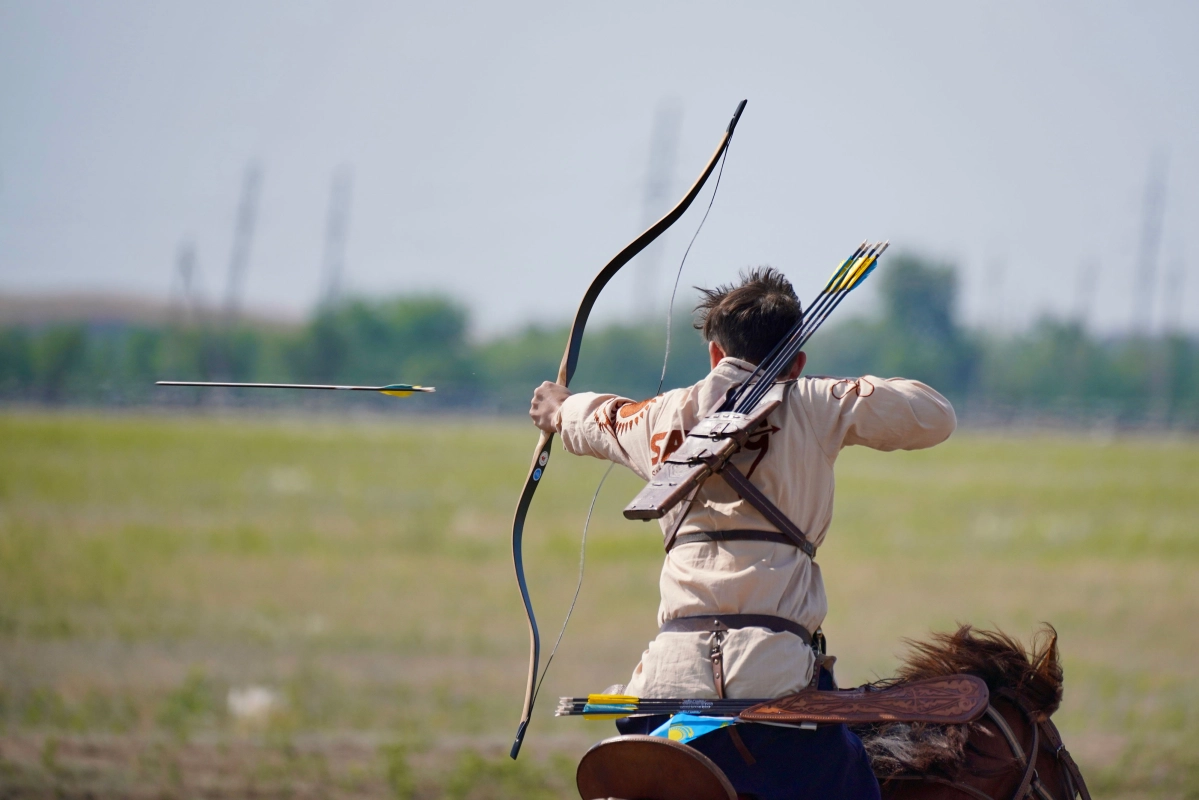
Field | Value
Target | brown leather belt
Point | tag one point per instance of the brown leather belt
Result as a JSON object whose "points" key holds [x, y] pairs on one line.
{"points": [[732, 536], [715, 623]]}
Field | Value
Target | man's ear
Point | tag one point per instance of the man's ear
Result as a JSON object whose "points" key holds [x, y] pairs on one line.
{"points": [[715, 353], [797, 366]]}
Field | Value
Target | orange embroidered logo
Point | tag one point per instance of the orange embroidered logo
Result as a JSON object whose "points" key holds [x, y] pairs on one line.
{"points": [[674, 440], [627, 416], [863, 387]]}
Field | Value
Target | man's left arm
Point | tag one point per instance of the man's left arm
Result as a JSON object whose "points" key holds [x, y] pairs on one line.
{"points": [[604, 426]]}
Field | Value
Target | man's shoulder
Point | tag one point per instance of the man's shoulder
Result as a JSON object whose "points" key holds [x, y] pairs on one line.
{"points": [[840, 387], [837, 387]]}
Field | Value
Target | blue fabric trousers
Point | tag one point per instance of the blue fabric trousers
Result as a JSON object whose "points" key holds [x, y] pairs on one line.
{"points": [[828, 763]]}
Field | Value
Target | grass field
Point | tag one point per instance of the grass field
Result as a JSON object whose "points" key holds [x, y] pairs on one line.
{"points": [[195, 607]]}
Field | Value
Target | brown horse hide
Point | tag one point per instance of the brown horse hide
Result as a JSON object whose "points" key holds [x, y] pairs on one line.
{"points": [[988, 759]]}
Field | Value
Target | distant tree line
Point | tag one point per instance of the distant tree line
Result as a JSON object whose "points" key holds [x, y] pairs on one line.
{"points": [[1056, 370]]}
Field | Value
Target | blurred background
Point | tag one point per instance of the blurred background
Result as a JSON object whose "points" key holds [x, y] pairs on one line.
{"points": [[212, 593]]}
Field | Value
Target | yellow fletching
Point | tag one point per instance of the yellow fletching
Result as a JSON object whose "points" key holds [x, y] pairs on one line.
{"points": [[612, 699], [838, 274], [398, 394], [843, 282], [856, 274], [606, 716]]}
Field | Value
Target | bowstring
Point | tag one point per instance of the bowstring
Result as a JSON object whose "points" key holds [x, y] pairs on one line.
{"points": [[679, 274], [578, 584], [661, 381]]}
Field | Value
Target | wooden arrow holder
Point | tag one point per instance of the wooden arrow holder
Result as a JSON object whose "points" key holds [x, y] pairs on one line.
{"points": [[705, 451]]}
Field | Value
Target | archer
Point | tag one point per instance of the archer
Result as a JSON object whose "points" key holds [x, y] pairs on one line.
{"points": [[739, 599]]}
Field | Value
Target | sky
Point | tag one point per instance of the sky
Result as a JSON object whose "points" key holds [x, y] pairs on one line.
{"points": [[500, 152]]}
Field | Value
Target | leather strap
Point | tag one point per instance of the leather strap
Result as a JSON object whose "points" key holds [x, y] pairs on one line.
{"points": [[674, 531], [751, 494], [1030, 769], [1030, 782], [1029, 761], [715, 623], [790, 532], [739, 743], [716, 656], [732, 536], [1072, 779]]}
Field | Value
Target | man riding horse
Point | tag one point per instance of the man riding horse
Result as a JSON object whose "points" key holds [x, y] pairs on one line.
{"points": [[740, 600]]}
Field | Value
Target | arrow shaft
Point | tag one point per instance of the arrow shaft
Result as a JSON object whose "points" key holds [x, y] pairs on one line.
{"points": [[293, 386], [770, 368]]}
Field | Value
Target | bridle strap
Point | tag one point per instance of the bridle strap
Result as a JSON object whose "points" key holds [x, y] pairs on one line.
{"points": [[1028, 761], [1008, 733], [1039, 789], [1075, 786], [1030, 768], [1072, 779], [1028, 780]]}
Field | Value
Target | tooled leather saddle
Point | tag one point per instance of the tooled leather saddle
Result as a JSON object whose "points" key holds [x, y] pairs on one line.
{"points": [[947, 700]]}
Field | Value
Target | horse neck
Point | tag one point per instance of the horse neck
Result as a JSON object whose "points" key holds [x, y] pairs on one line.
{"points": [[1051, 780]]}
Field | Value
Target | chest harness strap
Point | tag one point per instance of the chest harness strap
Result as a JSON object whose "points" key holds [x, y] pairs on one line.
{"points": [[790, 532]]}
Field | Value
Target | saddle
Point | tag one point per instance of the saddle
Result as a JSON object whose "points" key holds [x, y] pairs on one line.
{"points": [[650, 767], [947, 700]]}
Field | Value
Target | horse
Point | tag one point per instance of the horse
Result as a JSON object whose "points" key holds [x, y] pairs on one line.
{"points": [[1012, 752]]}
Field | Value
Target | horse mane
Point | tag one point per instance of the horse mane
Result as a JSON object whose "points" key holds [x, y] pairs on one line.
{"points": [[1034, 675], [1001, 661]]}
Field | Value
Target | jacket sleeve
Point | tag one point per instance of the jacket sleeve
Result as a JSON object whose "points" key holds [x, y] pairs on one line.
{"points": [[609, 427], [883, 414]]}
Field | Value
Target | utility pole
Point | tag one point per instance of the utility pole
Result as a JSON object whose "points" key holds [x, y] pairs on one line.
{"points": [[243, 235], [1152, 214], [337, 229], [184, 279], [186, 310], [659, 181]]}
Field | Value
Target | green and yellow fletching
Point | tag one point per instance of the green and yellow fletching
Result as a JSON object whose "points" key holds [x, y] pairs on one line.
{"points": [[839, 273], [853, 276], [402, 390]]}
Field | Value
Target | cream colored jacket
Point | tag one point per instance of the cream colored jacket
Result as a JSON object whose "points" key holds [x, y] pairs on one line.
{"points": [[791, 461]]}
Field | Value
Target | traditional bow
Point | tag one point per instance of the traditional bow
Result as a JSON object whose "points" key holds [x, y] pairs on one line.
{"points": [[541, 455]]}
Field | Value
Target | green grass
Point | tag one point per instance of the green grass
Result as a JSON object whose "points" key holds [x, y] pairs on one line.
{"points": [[361, 573]]}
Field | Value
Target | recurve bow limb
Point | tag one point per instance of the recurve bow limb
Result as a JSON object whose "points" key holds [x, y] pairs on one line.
{"points": [[541, 455]]}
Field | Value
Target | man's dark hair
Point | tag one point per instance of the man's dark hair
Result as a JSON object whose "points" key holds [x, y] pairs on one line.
{"points": [[749, 319]]}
